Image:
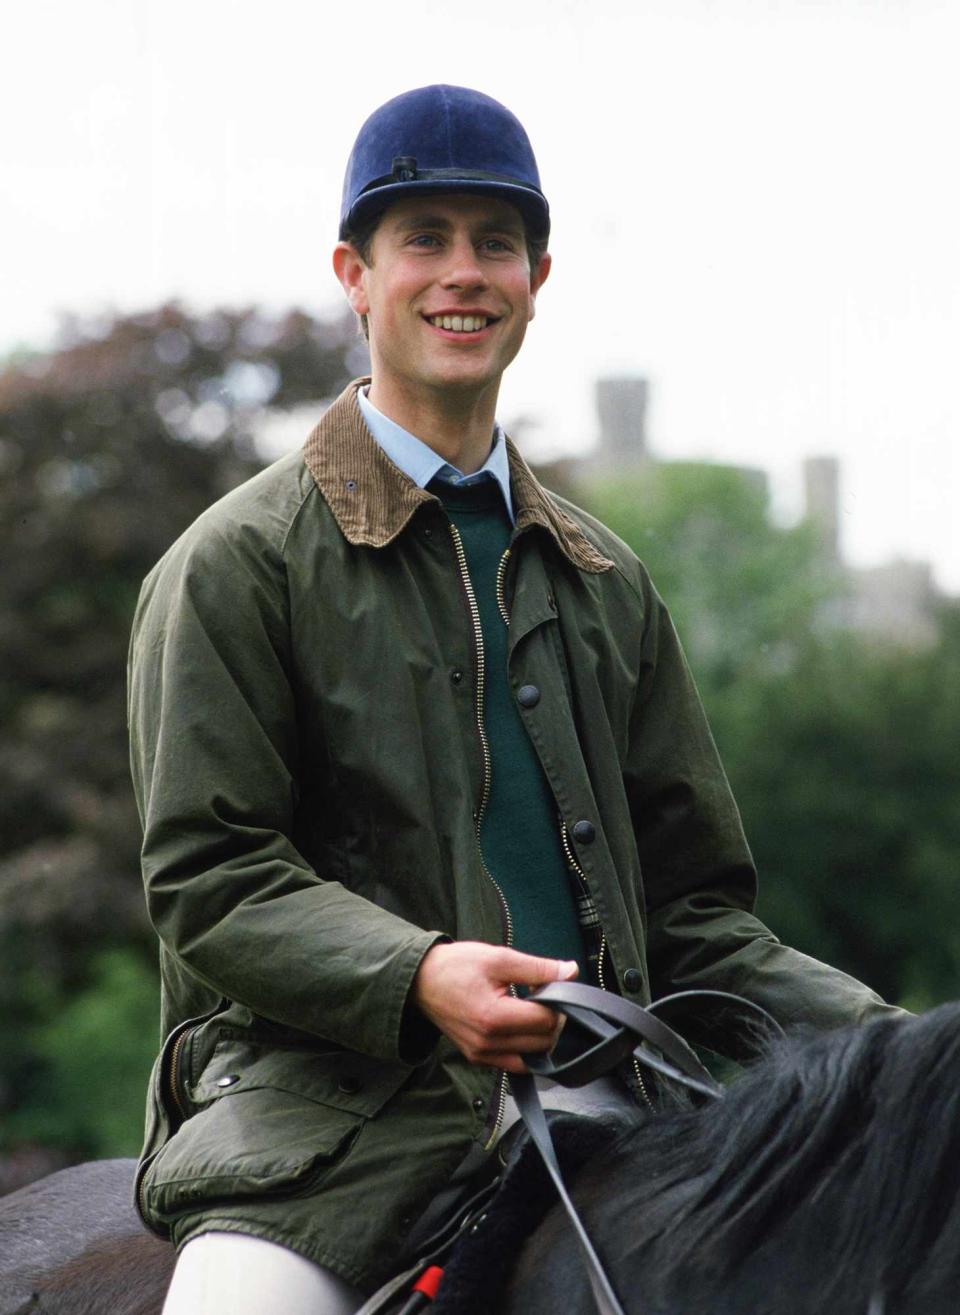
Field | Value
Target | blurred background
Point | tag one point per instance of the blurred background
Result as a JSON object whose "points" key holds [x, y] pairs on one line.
{"points": [[744, 361]]}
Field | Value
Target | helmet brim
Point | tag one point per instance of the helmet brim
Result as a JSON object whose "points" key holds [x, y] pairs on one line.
{"points": [[531, 203]]}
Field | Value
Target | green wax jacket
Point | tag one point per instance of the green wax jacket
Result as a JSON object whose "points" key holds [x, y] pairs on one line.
{"points": [[303, 705]]}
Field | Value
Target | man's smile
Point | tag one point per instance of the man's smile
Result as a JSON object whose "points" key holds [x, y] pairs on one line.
{"points": [[462, 322]]}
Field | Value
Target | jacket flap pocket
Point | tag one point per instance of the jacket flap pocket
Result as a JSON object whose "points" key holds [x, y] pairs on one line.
{"points": [[257, 1143], [343, 1079]]}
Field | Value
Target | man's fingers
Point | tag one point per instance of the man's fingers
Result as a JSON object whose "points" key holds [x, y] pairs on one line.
{"points": [[491, 1050], [516, 1018], [533, 970], [516, 1042]]}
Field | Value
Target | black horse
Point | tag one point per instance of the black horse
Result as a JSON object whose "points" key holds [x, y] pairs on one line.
{"points": [[827, 1179]]}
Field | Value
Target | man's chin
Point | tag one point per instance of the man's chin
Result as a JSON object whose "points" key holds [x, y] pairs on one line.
{"points": [[458, 370], [461, 377]]}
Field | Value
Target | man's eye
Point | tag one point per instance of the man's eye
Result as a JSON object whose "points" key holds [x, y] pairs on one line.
{"points": [[423, 240], [497, 244]]}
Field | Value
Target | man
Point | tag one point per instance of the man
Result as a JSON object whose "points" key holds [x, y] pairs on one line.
{"points": [[409, 733]]}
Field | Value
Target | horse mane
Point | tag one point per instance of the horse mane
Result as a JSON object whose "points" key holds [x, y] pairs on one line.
{"points": [[832, 1168]]}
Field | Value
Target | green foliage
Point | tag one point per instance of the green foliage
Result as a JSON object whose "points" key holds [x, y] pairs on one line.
{"points": [[743, 593], [109, 447], [92, 1056], [846, 774], [843, 755]]}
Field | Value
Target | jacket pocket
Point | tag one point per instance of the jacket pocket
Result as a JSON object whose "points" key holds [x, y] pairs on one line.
{"points": [[268, 1123]]}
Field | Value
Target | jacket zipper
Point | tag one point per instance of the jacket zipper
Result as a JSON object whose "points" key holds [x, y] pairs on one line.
{"points": [[501, 588], [170, 1075], [173, 1073], [572, 860], [501, 1088]]}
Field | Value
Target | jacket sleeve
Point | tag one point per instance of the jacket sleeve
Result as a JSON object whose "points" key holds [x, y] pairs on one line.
{"points": [[214, 751], [699, 878]]}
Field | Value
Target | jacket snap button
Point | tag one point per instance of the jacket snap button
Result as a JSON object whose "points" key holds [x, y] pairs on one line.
{"points": [[478, 1105], [456, 676], [632, 979], [528, 696], [349, 1085], [584, 832], [427, 532], [229, 1080]]}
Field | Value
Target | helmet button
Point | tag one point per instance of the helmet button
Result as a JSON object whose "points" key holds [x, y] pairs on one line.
{"points": [[404, 168]]}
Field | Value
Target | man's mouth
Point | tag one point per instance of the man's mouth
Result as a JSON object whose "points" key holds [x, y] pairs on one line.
{"points": [[461, 323]]}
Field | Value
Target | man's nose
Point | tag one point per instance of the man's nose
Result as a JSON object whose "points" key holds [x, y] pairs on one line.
{"points": [[463, 269]]}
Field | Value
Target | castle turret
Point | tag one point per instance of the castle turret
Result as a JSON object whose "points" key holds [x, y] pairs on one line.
{"points": [[622, 407], [821, 482]]}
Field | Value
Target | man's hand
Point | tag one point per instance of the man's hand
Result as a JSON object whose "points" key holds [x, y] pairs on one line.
{"points": [[464, 989]]}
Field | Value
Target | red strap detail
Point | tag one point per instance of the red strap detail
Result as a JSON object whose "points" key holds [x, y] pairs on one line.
{"points": [[429, 1282]]}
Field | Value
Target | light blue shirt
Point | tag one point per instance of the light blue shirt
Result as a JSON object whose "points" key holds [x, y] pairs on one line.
{"points": [[416, 459]]}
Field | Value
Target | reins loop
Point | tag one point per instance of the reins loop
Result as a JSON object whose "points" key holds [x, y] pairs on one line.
{"points": [[615, 1029], [621, 1029]]}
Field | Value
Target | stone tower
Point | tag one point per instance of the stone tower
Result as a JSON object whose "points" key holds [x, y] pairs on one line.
{"points": [[821, 482], [622, 407]]}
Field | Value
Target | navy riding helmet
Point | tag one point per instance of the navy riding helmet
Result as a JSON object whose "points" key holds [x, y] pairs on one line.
{"points": [[442, 139]]}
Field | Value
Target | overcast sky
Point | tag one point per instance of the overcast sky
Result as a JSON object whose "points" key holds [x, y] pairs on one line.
{"points": [[756, 204]]}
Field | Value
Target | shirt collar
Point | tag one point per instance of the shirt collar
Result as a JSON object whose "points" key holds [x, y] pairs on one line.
{"points": [[416, 459], [372, 500]]}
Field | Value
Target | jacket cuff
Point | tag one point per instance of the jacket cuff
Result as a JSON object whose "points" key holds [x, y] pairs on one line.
{"points": [[418, 1037]]}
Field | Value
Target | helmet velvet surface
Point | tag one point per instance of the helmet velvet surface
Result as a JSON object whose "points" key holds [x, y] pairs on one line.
{"points": [[442, 139]]}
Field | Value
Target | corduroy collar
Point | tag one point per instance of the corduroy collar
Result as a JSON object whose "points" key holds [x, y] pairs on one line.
{"points": [[372, 499]]}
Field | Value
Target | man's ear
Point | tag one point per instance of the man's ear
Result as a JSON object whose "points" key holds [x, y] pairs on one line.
{"points": [[350, 268], [537, 279]]}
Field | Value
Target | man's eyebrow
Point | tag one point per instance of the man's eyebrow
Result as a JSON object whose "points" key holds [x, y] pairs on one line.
{"points": [[506, 224], [424, 220]]}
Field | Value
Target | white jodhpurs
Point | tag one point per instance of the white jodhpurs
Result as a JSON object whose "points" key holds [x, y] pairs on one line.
{"points": [[231, 1272]]}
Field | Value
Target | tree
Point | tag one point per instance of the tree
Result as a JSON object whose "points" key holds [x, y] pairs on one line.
{"points": [[847, 776], [110, 446], [743, 593], [842, 754]]}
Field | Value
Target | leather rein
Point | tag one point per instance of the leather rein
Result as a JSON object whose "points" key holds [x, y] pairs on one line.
{"points": [[619, 1030]]}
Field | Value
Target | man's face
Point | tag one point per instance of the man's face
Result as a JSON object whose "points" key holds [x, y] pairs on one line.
{"points": [[448, 293]]}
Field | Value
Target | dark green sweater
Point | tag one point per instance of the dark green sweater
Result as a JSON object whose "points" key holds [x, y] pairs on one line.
{"points": [[520, 829]]}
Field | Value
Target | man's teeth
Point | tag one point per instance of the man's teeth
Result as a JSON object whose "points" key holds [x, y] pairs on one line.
{"points": [[460, 323]]}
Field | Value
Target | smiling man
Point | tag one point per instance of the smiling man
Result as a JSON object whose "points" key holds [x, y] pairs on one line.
{"points": [[409, 733]]}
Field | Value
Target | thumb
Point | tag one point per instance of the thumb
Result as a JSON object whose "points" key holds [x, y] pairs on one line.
{"points": [[533, 970]]}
